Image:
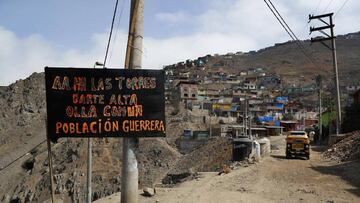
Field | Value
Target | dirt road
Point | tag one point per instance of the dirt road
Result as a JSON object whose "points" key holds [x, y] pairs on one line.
{"points": [[274, 179]]}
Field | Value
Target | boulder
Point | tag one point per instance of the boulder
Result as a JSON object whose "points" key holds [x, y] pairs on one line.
{"points": [[149, 192]]}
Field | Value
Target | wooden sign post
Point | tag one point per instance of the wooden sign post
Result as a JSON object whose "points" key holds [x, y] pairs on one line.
{"points": [[50, 169]]}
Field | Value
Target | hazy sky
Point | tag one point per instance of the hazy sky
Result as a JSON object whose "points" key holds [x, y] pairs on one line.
{"points": [[39, 33]]}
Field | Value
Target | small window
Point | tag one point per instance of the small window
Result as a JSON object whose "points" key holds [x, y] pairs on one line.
{"points": [[186, 95], [193, 95]]}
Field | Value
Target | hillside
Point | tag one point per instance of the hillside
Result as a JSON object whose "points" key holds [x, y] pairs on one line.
{"points": [[23, 114], [22, 127], [23, 152], [289, 62]]}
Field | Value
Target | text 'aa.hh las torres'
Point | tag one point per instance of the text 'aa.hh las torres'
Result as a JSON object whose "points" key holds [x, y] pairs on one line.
{"points": [[84, 102]]}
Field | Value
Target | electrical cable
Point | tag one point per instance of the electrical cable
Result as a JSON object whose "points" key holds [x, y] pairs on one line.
{"points": [[297, 39], [317, 7], [15, 160], [298, 42], [288, 27], [289, 31], [326, 8], [111, 30], [117, 28], [314, 12], [281, 23], [342, 6]]}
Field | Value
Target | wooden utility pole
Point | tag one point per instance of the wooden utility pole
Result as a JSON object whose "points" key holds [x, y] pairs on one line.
{"points": [[245, 117], [50, 170], [319, 83], [133, 60], [330, 25], [89, 170], [250, 133], [210, 133], [89, 158]]}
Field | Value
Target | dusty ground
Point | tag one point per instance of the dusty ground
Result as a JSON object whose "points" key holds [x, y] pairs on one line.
{"points": [[275, 179]]}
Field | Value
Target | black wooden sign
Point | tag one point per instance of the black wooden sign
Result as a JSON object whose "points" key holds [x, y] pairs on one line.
{"points": [[87, 102]]}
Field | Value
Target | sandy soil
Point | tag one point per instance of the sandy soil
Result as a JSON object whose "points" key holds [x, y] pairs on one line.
{"points": [[274, 179]]}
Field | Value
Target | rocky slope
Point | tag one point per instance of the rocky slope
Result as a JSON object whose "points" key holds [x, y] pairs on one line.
{"points": [[23, 152], [287, 60], [22, 117], [24, 174]]}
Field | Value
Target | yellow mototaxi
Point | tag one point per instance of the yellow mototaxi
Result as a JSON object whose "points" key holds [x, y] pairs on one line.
{"points": [[297, 144]]}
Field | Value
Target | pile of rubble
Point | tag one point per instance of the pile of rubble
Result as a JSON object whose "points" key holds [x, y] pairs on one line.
{"points": [[209, 157], [347, 149]]}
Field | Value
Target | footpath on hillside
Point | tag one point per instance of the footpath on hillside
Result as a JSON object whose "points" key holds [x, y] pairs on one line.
{"points": [[274, 179]]}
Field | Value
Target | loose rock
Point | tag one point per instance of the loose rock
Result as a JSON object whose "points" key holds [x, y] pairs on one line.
{"points": [[149, 192]]}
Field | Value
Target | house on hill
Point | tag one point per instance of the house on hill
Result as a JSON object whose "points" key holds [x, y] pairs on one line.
{"points": [[209, 93], [249, 86], [270, 80], [187, 90]]}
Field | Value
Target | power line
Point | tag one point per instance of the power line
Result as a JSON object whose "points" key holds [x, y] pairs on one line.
{"points": [[327, 6], [297, 41], [283, 20], [117, 28], [111, 30], [292, 35], [314, 12], [15, 160], [26, 153], [317, 7], [289, 31], [281, 23], [342, 6]]}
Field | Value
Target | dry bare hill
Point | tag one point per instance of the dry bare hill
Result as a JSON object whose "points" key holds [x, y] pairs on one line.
{"points": [[287, 60], [22, 127], [22, 117]]}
